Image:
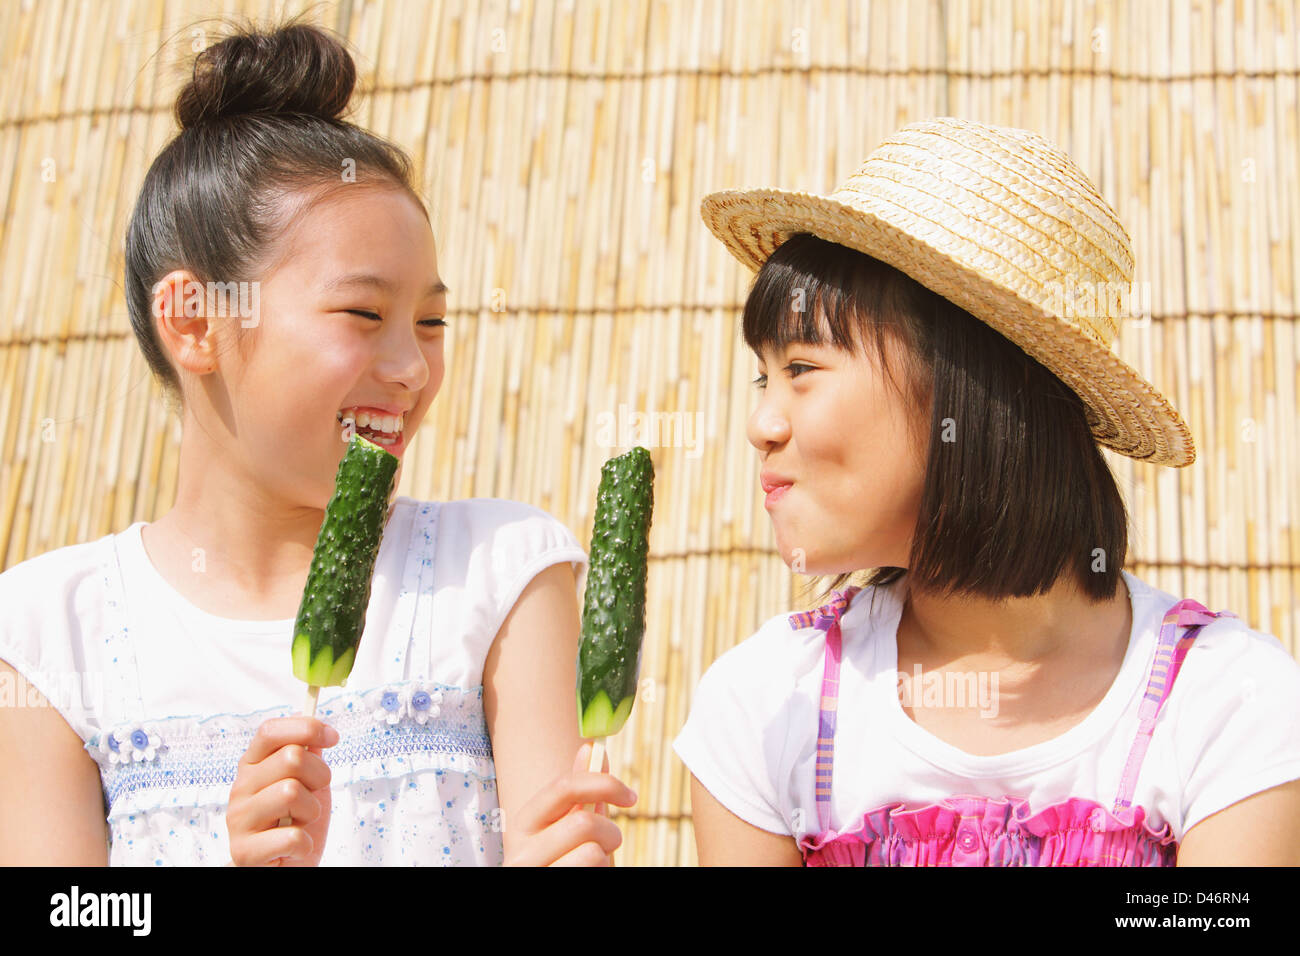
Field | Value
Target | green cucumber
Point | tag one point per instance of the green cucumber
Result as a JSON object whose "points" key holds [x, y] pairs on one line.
{"points": [[332, 614], [613, 612]]}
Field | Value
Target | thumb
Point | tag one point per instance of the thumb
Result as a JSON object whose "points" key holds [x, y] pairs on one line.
{"points": [[584, 756]]}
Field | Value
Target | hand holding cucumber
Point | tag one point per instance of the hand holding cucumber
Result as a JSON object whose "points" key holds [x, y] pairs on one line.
{"points": [[332, 615], [556, 829], [281, 777]]}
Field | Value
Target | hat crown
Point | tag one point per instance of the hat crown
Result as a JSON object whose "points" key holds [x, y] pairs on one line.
{"points": [[1005, 201], [1005, 225]]}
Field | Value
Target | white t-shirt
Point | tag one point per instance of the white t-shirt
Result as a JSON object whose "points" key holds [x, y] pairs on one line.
{"points": [[167, 696], [1230, 728]]}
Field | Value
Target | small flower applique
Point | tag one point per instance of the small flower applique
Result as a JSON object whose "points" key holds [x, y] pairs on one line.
{"points": [[425, 705], [131, 744], [391, 708], [418, 703]]}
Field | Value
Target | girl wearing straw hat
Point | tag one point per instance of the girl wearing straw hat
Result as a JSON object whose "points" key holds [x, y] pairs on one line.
{"points": [[179, 744], [933, 342]]}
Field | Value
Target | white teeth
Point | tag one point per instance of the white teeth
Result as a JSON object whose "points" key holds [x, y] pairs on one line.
{"points": [[387, 423]]}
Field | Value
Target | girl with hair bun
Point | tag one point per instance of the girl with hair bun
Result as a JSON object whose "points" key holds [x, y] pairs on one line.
{"points": [[455, 740]]}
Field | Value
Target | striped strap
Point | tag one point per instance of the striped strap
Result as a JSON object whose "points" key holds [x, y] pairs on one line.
{"points": [[827, 618], [1170, 651]]}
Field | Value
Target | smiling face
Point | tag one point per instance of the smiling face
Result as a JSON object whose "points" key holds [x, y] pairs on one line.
{"points": [[325, 342], [829, 423]]}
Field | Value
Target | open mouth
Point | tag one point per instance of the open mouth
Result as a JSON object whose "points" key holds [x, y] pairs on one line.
{"points": [[384, 430]]}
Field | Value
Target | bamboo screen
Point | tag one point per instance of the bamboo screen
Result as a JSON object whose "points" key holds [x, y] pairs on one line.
{"points": [[564, 149]]}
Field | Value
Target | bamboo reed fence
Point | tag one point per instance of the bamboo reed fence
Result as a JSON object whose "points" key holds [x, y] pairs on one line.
{"points": [[564, 148]]}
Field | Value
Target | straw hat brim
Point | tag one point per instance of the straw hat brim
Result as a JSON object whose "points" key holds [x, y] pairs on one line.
{"points": [[1123, 410]]}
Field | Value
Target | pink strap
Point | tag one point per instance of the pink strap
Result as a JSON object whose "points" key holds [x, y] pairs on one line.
{"points": [[1170, 651], [1169, 655], [827, 618]]}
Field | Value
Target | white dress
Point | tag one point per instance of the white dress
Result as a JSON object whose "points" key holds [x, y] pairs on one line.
{"points": [[167, 697]]}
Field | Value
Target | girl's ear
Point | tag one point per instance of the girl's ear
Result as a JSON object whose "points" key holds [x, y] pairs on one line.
{"points": [[180, 314]]}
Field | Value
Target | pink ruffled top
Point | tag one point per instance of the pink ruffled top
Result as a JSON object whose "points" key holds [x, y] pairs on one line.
{"points": [[995, 831]]}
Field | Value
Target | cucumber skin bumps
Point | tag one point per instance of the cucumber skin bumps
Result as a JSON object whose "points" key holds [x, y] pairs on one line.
{"points": [[333, 610], [613, 612]]}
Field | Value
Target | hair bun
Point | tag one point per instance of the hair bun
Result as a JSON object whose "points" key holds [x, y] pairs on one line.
{"points": [[293, 69]]}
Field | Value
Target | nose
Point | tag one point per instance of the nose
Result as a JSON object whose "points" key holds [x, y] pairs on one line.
{"points": [[403, 360], [768, 427]]}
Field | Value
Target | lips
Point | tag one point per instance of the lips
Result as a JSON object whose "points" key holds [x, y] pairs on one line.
{"points": [[776, 487], [771, 482]]}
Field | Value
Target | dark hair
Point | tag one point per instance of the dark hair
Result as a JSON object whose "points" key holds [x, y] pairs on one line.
{"points": [[1016, 492], [260, 118]]}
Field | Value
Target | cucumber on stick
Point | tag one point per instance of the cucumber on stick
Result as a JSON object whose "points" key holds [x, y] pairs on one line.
{"points": [[332, 614], [613, 612]]}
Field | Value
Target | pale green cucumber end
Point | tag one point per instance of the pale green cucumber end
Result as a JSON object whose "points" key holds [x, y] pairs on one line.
{"points": [[602, 718], [341, 669], [318, 669], [301, 656]]}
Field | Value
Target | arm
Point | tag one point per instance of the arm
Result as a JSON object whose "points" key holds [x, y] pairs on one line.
{"points": [[51, 804], [530, 701], [1262, 830], [723, 839]]}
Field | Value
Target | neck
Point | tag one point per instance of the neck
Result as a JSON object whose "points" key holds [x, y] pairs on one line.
{"points": [[253, 535], [1031, 631]]}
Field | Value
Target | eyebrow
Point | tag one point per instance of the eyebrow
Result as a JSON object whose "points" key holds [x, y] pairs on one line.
{"points": [[437, 287]]}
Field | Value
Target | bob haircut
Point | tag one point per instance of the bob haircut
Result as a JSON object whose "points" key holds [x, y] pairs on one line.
{"points": [[1016, 492]]}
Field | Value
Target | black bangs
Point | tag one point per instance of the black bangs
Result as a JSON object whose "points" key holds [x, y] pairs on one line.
{"points": [[814, 292]]}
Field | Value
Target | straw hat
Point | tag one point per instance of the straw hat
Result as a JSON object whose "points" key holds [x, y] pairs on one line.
{"points": [[1003, 224]]}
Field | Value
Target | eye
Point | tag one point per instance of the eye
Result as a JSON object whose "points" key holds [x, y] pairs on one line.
{"points": [[428, 323], [794, 368]]}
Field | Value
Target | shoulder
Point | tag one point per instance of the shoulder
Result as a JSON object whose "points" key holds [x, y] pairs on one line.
{"points": [[64, 584], [56, 608], [1228, 658], [487, 551], [501, 525]]}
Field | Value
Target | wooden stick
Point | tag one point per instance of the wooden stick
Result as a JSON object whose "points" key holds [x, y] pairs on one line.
{"points": [[597, 755], [595, 765]]}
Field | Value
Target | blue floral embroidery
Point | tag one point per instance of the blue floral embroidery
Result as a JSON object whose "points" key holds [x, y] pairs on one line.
{"points": [[134, 743], [390, 709]]}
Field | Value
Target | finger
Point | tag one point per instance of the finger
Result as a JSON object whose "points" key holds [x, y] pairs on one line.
{"points": [[565, 793], [281, 731], [583, 756], [568, 834], [290, 762], [274, 846], [589, 854], [282, 800], [297, 763]]}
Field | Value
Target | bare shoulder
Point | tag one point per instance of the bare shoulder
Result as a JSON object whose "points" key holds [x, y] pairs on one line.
{"points": [[51, 804], [1261, 830], [724, 839]]}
